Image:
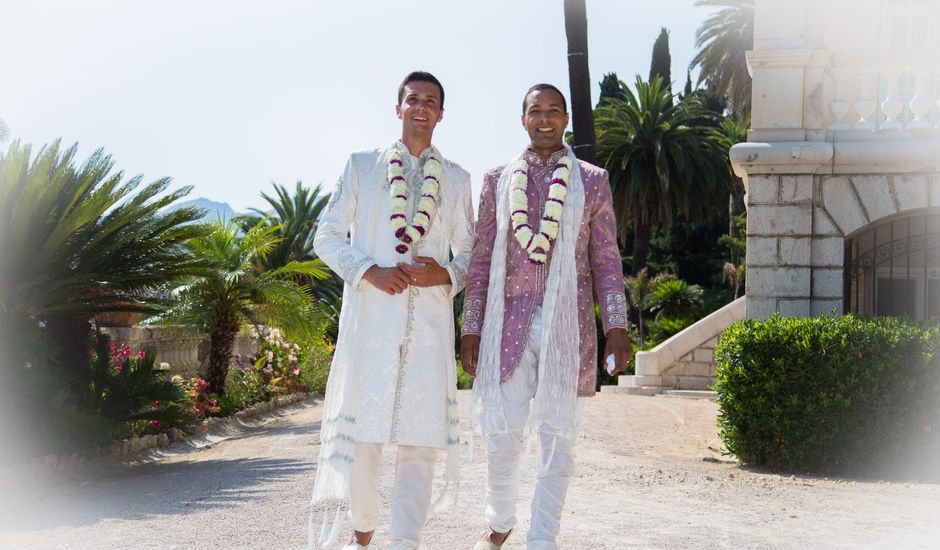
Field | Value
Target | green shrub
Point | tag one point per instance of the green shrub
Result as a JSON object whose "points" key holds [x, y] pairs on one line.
{"points": [[464, 380], [316, 357], [830, 394]]}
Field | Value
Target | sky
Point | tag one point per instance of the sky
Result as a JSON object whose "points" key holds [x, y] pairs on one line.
{"points": [[229, 96]]}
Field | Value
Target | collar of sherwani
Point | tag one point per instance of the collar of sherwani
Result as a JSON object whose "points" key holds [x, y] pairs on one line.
{"points": [[534, 159], [409, 160]]}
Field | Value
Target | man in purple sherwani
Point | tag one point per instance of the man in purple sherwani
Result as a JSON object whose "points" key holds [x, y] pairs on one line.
{"points": [[545, 246]]}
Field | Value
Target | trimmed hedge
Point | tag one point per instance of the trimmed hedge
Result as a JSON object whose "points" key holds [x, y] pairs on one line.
{"points": [[837, 394]]}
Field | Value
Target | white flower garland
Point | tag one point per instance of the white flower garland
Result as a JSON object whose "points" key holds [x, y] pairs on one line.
{"points": [[537, 244], [410, 233]]}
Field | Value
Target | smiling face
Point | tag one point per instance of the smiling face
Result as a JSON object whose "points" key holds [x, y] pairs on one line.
{"points": [[420, 109], [545, 119]]}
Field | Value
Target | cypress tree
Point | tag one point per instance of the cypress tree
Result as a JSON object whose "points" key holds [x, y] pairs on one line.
{"points": [[662, 61], [611, 87]]}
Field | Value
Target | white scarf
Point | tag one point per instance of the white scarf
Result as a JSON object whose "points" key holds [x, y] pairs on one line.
{"points": [[556, 397]]}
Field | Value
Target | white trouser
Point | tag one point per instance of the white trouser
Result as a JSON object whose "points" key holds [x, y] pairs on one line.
{"points": [[555, 463], [410, 498]]}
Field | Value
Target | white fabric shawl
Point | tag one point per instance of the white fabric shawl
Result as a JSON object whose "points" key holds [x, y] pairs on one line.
{"points": [[556, 398]]}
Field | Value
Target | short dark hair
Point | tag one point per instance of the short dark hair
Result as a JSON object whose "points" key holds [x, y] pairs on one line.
{"points": [[543, 86], [420, 76]]}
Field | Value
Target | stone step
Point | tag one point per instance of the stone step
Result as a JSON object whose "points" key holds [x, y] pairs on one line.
{"points": [[689, 394], [633, 390], [691, 369], [666, 381], [693, 382]]}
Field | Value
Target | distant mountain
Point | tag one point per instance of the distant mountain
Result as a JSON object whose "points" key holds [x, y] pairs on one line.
{"points": [[215, 210]]}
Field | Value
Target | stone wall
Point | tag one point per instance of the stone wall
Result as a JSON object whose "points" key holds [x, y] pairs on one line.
{"points": [[694, 370], [797, 225]]}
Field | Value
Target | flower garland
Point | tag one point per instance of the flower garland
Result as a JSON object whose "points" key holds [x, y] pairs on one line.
{"points": [[537, 244], [410, 233]]}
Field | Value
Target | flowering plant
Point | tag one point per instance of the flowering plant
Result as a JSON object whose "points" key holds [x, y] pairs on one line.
{"points": [[197, 390], [278, 360], [132, 392]]}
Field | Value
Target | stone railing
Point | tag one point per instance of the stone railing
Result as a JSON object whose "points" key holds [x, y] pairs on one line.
{"points": [[884, 93], [685, 362], [183, 349]]}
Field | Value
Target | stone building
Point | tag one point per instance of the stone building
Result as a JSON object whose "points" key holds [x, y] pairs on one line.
{"points": [[842, 163], [842, 172]]}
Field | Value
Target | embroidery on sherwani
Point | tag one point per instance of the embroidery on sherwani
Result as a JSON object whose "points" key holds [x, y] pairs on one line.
{"points": [[411, 232], [335, 195], [617, 310], [537, 244]]}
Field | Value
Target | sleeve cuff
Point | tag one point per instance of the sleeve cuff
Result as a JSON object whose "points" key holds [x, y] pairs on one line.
{"points": [[357, 277], [458, 279], [614, 311], [472, 317]]}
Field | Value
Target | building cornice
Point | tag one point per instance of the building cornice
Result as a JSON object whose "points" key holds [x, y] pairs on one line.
{"points": [[844, 157]]}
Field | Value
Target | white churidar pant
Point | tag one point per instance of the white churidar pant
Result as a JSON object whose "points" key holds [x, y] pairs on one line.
{"points": [[504, 448], [411, 496]]}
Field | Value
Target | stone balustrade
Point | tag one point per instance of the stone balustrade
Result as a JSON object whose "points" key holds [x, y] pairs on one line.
{"points": [[884, 94], [185, 350]]}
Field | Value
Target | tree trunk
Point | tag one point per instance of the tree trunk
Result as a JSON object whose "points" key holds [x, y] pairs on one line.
{"points": [[579, 80], [221, 342], [641, 243], [70, 337]]}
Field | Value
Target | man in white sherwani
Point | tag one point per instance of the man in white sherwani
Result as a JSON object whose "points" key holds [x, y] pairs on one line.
{"points": [[408, 215]]}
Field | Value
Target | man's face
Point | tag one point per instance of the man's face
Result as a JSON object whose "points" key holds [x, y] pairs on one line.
{"points": [[420, 109], [545, 119]]}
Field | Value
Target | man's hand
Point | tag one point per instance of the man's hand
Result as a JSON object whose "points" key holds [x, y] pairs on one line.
{"points": [[427, 272], [469, 353], [618, 344], [390, 280]]}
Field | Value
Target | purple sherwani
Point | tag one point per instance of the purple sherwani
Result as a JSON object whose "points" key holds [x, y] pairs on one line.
{"points": [[596, 256]]}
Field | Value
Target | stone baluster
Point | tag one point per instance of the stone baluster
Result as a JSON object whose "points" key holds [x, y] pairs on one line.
{"points": [[866, 104], [921, 103], [892, 104], [839, 106], [936, 74]]}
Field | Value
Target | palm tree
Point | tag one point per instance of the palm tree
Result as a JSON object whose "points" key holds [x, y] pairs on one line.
{"points": [[661, 161], [731, 133], [579, 80], [4, 131], [80, 240], [639, 294], [723, 40], [675, 298], [236, 292], [297, 215]]}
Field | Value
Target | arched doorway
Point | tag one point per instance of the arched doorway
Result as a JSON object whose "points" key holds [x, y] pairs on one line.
{"points": [[893, 268]]}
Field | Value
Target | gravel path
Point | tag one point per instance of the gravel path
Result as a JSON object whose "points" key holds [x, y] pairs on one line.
{"points": [[642, 483]]}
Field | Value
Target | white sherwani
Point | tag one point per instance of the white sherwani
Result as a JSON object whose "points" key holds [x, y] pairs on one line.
{"points": [[395, 352]]}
